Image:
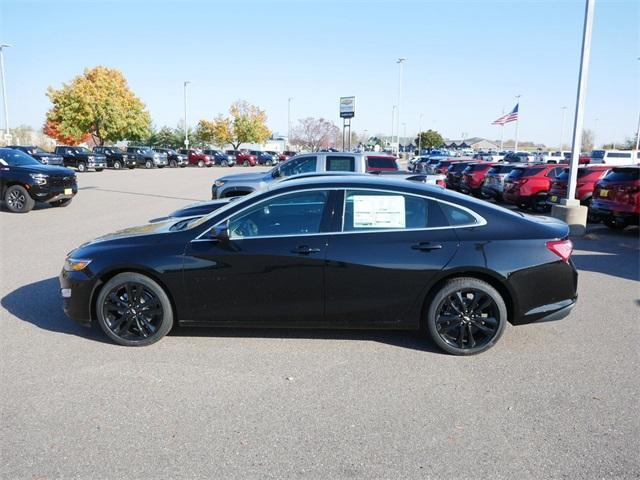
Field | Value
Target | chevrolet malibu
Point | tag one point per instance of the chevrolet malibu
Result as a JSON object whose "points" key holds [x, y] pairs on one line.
{"points": [[329, 252]]}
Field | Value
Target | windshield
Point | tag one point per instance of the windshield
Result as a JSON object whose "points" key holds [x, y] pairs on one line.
{"points": [[597, 154], [82, 150], [16, 158]]}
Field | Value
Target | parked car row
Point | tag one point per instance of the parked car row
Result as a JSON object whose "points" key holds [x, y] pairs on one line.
{"points": [[100, 157], [611, 193]]}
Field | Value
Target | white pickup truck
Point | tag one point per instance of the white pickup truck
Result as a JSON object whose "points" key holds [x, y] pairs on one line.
{"points": [[319, 162]]}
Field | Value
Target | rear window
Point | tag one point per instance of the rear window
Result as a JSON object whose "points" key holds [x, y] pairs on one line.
{"points": [[623, 175], [476, 168], [388, 163], [619, 154], [457, 216], [524, 172], [340, 164], [597, 154]]}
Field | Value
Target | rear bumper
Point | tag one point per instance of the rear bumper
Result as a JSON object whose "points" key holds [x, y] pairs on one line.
{"points": [[631, 218]]}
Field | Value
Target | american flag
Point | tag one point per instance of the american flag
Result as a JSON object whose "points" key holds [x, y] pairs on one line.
{"points": [[512, 116]]}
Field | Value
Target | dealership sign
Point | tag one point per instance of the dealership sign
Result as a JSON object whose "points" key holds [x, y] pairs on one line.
{"points": [[347, 107]]}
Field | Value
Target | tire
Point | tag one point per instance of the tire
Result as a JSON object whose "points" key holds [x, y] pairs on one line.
{"points": [[539, 203], [82, 167], [62, 203], [224, 163], [148, 164], [268, 163], [123, 321], [173, 164], [246, 163], [466, 332], [614, 224], [200, 163], [18, 199], [99, 169], [117, 165]]}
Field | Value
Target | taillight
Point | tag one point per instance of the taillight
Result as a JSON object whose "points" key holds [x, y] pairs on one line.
{"points": [[441, 183], [562, 248], [522, 181]]}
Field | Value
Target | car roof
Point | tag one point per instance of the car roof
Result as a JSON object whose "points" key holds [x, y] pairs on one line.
{"points": [[357, 180]]}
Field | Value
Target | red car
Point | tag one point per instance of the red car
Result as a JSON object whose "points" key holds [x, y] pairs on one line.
{"points": [[616, 198], [244, 158], [442, 166], [473, 178], [587, 179], [195, 157], [527, 186]]}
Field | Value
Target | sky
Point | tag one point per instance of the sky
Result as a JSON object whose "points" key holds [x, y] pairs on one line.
{"points": [[466, 60]]}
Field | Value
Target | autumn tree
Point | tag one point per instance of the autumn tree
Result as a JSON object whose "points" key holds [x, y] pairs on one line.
{"points": [[245, 123], [96, 104], [429, 139], [314, 134]]}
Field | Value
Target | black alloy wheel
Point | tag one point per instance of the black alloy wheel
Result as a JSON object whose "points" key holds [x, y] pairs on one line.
{"points": [[466, 316], [133, 310], [18, 199]]}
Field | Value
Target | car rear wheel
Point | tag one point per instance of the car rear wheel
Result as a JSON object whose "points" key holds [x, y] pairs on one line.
{"points": [[539, 203], [82, 167], [18, 199], [268, 163], [246, 163], [466, 316], [148, 164], [615, 224], [117, 165], [224, 163], [133, 310], [200, 163]]}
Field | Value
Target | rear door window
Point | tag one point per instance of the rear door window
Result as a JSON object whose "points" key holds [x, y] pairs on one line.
{"points": [[623, 175], [369, 210], [298, 166], [340, 163], [381, 163]]}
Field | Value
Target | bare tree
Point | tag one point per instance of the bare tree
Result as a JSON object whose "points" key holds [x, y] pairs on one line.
{"points": [[314, 134], [587, 140]]}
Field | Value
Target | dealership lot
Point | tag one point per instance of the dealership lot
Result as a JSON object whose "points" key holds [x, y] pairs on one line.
{"points": [[554, 399]]}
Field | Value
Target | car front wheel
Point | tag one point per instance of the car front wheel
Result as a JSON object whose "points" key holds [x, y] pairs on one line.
{"points": [[466, 316], [18, 199], [148, 164], [246, 163], [200, 163], [117, 165], [82, 167], [133, 310]]}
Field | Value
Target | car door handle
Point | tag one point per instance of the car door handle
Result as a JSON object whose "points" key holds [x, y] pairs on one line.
{"points": [[426, 246], [305, 250]]}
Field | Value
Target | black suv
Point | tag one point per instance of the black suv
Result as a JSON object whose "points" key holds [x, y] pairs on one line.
{"points": [[81, 158], [175, 159], [220, 158], [146, 157], [25, 181], [44, 157], [116, 158]]}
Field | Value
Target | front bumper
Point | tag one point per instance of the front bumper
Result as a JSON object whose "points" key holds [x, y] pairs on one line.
{"points": [[76, 289], [44, 193]]}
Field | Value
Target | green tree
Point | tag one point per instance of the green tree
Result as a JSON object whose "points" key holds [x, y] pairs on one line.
{"points": [[97, 103], [429, 139], [246, 123]]}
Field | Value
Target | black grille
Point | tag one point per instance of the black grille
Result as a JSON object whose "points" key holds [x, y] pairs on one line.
{"points": [[62, 181]]}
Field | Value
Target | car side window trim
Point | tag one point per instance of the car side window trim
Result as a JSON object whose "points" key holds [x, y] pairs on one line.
{"points": [[480, 221]]}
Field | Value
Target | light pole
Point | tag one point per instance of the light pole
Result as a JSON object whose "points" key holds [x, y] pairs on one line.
{"points": [[404, 133], [186, 127], [420, 134], [393, 124], [515, 147], [400, 63], [570, 209], [289, 122], [595, 133], [4, 90], [564, 112]]}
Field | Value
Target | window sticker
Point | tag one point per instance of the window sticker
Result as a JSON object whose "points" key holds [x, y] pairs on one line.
{"points": [[378, 211]]}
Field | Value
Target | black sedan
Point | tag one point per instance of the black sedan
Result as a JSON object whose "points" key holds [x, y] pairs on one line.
{"points": [[329, 252]]}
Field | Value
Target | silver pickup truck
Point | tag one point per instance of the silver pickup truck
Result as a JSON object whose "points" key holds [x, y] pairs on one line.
{"points": [[308, 163]]}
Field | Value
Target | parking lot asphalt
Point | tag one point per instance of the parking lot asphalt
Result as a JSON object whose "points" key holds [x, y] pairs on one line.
{"points": [[557, 399]]}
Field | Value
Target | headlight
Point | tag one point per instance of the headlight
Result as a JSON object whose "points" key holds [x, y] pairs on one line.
{"points": [[156, 156], [75, 264], [39, 178], [220, 183], [91, 158]]}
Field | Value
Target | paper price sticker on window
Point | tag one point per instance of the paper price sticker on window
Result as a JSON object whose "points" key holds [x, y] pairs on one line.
{"points": [[378, 211]]}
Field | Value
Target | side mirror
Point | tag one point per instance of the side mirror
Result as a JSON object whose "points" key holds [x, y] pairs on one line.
{"points": [[219, 233], [276, 173]]}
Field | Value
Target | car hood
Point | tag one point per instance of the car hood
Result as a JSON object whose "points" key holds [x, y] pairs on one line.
{"points": [[247, 177], [47, 170]]}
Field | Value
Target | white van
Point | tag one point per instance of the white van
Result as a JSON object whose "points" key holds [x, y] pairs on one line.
{"points": [[615, 157]]}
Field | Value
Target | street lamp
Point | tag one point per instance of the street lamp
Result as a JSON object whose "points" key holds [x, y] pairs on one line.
{"points": [[404, 133], [4, 91], [393, 125], [289, 122], [400, 63], [186, 128], [420, 134], [564, 112]]}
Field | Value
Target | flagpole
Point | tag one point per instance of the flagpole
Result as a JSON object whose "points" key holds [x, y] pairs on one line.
{"points": [[515, 148]]}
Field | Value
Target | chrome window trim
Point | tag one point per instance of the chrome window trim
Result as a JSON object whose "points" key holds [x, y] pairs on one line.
{"points": [[481, 221]]}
